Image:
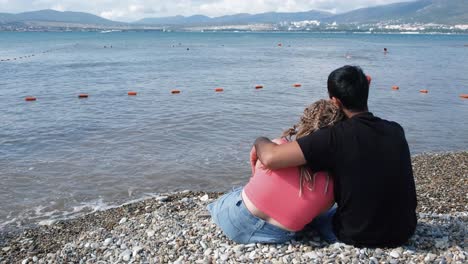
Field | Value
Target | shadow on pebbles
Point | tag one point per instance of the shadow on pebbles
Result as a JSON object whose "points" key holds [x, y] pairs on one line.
{"points": [[176, 228]]}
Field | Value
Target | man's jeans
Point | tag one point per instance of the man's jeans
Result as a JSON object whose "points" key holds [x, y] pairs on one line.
{"points": [[323, 224]]}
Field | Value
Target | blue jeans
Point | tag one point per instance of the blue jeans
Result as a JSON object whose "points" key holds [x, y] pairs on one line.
{"points": [[323, 224], [238, 224]]}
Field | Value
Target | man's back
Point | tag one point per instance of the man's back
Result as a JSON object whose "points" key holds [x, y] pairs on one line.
{"points": [[374, 185]]}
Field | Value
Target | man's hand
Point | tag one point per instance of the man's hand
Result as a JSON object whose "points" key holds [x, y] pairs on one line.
{"points": [[275, 156]]}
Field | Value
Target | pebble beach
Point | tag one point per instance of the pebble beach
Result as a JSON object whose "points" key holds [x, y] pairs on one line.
{"points": [[176, 228]]}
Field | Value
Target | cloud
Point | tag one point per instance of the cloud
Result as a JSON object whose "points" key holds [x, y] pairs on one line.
{"points": [[58, 7], [113, 14], [128, 10]]}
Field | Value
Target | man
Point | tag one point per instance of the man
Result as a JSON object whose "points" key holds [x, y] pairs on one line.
{"points": [[370, 161]]}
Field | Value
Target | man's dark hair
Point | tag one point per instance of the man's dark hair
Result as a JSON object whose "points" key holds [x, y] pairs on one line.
{"points": [[350, 85]]}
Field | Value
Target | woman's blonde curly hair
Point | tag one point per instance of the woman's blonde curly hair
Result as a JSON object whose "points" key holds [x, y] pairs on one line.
{"points": [[320, 114]]}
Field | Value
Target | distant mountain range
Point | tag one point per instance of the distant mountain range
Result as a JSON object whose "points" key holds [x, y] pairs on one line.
{"points": [[270, 17], [56, 16], [424, 11]]}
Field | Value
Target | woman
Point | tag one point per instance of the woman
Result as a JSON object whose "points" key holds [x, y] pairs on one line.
{"points": [[274, 205]]}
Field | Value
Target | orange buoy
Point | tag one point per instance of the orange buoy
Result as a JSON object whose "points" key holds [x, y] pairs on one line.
{"points": [[369, 79], [258, 86], [175, 91], [30, 98], [219, 90], [395, 88], [464, 96], [297, 85], [83, 96], [424, 91], [131, 93]]}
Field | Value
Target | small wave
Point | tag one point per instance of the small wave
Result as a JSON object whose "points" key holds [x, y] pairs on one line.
{"points": [[92, 64], [39, 215], [44, 215], [11, 222]]}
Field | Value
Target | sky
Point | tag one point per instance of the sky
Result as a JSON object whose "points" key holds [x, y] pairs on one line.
{"points": [[131, 10]]}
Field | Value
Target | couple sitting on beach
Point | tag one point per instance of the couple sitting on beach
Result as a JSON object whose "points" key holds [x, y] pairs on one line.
{"points": [[341, 170]]}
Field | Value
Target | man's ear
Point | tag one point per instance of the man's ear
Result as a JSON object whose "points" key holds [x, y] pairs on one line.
{"points": [[336, 102]]}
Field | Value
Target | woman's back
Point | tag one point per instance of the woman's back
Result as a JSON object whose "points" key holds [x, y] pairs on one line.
{"points": [[277, 194]]}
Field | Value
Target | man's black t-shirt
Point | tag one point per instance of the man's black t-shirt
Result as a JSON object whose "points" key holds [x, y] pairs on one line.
{"points": [[374, 185]]}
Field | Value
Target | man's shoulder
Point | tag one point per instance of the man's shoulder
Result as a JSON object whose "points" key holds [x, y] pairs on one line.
{"points": [[355, 125], [377, 121], [392, 125]]}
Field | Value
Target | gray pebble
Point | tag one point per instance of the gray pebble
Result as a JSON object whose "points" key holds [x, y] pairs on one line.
{"points": [[238, 248], [107, 242], [395, 254], [224, 257], [179, 260], [203, 244], [252, 255], [207, 252], [430, 257], [126, 255], [162, 199], [5, 249], [150, 233], [136, 250], [311, 255]]}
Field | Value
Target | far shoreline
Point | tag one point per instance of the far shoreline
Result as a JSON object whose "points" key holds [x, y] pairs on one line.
{"points": [[405, 33]]}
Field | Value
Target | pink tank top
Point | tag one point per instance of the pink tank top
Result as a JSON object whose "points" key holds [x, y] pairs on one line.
{"points": [[276, 193]]}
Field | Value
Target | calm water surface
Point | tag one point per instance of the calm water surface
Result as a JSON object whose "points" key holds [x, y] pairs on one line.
{"points": [[61, 156]]}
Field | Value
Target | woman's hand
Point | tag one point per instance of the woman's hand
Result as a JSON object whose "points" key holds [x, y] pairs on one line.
{"points": [[253, 159], [278, 141]]}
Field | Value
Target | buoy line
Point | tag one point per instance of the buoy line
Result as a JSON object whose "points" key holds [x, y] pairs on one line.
{"points": [[30, 55]]}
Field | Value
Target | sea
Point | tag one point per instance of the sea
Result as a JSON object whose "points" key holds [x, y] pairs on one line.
{"points": [[62, 156]]}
